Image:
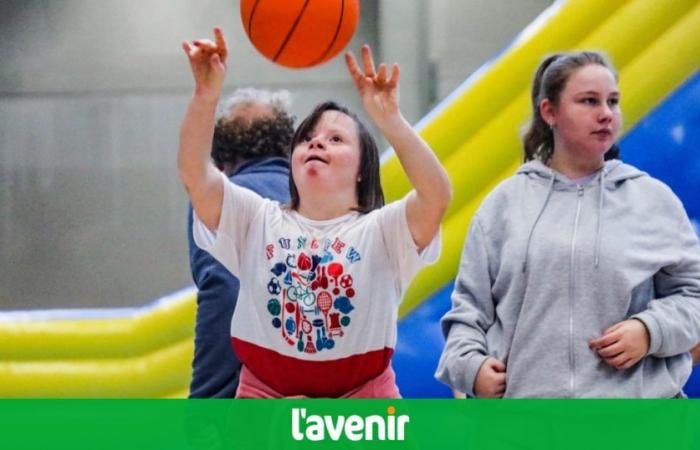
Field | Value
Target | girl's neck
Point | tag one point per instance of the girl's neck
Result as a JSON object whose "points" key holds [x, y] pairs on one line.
{"points": [[575, 166], [325, 206]]}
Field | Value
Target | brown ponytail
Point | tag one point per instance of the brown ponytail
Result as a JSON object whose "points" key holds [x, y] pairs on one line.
{"points": [[538, 142]]}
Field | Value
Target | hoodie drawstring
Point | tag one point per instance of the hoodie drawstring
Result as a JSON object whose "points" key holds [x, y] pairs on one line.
{"points": [[599, 227], [601, 196], [544, 205]]}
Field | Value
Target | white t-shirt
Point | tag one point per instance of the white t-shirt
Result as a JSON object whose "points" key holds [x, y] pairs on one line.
{"points": [[318, 302]]}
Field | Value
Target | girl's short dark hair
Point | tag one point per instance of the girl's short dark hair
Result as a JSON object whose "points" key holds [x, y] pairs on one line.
{"points": [[369, 189], [549, 82]]}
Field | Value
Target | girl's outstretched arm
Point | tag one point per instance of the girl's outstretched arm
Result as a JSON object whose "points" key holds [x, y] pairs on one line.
{"points": [[201, 179], [432, 193]]}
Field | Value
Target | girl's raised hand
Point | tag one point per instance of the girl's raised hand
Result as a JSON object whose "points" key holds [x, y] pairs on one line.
{"points": [[378, 89], [208, 62]]}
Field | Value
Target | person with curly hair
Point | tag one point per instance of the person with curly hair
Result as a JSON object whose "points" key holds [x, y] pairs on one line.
{"points": [[251, 142]]}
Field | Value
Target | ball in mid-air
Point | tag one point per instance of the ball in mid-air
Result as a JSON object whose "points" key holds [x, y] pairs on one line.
{"points": [[300, 33]]}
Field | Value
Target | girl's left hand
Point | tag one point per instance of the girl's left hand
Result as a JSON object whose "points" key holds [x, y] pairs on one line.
{"points": [[379, 90], [623, 344], [695, 353]]}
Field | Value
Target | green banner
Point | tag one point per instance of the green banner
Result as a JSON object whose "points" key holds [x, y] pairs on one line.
{"points": [[349, 424]]}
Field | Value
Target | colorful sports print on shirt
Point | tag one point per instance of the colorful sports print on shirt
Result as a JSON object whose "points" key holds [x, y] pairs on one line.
{"points": [[310, 293], [317, 309]]}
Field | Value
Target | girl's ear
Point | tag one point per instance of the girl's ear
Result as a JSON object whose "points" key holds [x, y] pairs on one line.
{"points": [[548, 112]]}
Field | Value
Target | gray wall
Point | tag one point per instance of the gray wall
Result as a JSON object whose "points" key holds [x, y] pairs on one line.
{"points": [[91, 98]]}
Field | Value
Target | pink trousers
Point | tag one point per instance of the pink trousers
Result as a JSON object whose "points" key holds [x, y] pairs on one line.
{"points": [[383, 386]]}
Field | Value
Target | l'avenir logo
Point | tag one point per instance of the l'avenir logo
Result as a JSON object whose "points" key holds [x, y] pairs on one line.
{"points": [[314, 427]]}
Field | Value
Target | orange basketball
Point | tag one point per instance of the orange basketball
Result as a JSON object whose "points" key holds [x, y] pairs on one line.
{"points": [[300, 33]]}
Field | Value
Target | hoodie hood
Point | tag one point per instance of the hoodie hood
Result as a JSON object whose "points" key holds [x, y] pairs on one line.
{"points": [[613, 173]]}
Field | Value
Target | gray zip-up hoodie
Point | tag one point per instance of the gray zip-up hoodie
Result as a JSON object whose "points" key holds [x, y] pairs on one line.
{"points": [[549, 265]]}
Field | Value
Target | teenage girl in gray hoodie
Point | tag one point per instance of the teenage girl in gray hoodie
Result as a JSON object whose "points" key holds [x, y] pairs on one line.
{"points": [[580, 276]]}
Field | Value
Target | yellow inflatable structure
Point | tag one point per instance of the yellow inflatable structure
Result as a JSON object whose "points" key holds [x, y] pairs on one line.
{"points": [[140, 353], [146, 352], [476, 134]]}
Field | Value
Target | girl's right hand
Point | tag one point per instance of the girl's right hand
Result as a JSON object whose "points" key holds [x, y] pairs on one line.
{"points": [[378, 89], [208, 63], [490, 379]]}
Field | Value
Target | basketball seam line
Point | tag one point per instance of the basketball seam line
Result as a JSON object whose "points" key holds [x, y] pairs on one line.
{"points": [[291, 31], [250, 19], [335, 36]]}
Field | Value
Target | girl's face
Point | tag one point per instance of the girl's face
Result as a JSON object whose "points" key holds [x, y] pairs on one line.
{"points": [[328, 158], [587, 119]]}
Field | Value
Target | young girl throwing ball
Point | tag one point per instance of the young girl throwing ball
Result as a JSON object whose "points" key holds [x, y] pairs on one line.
{"points": [[322, 277]]}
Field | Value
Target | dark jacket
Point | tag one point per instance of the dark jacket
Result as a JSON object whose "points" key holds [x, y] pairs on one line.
{"points": [[215, 368]]}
